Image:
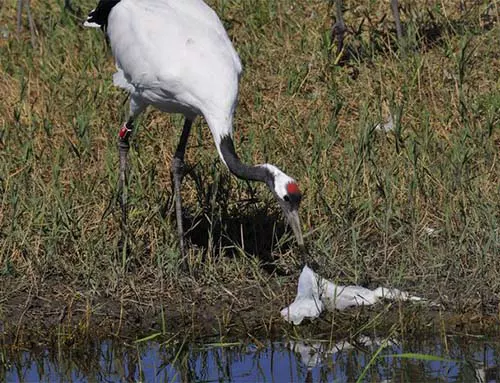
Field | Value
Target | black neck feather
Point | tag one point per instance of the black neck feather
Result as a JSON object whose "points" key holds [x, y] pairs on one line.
{"points": [[241, 170]]}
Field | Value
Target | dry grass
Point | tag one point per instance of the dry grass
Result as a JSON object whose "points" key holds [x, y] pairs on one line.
{"points": [[371, 197]]}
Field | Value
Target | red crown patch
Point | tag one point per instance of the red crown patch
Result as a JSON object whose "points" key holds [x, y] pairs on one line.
{"points": [[292, 188]]}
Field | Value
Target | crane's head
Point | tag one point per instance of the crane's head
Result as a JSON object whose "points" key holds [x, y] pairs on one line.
{"points": [[288, 195]]}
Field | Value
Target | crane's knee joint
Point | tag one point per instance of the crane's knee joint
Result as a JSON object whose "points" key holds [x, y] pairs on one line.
{"points": [[177, 166]]}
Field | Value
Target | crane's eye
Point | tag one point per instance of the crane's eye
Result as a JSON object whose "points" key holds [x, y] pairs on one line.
{"points": [[286, 198]]}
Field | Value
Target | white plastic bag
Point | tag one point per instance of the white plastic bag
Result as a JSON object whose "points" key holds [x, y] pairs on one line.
{"points": [[315, 293], [307, 303]]}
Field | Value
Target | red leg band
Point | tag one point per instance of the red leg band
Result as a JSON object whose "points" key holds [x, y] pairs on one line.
{"points": [[124, 132]]}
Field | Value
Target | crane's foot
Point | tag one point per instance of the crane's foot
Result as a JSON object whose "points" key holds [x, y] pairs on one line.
{"points": [[337, 34]]}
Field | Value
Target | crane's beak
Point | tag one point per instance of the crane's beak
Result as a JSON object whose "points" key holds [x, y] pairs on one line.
{"points": [[292, 216]]}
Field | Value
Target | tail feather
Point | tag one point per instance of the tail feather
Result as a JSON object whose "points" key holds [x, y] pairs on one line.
{"points": [[89, 22], [98, 17]]}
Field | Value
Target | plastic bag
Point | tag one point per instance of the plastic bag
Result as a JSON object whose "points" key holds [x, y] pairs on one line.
{"points": [[315, 293]]}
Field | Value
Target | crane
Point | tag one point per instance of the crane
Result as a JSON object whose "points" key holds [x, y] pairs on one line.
{"points": [[176, 56]]}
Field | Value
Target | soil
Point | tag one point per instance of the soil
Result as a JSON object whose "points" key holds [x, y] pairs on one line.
{"points": [[55, 312], [33, 315]]}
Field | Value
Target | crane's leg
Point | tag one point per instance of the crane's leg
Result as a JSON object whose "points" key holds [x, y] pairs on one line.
{"points": [[124, 134], [178, 174], [395, 12], [123, 147], [338, 29], [20, 4]]}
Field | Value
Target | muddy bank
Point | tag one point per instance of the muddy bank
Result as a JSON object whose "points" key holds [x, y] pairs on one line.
{"points": [[139, 309], [55, 313]]}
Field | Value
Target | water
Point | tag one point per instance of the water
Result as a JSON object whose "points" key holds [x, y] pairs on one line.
{"points": [[467, 360]]}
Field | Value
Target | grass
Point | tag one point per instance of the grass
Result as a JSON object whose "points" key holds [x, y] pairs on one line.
{"points": [[417, 208]]}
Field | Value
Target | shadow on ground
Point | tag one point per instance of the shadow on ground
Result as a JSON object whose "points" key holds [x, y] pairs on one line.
{"points": [[257, 230]]}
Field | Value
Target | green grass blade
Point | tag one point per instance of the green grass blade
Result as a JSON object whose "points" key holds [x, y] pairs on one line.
{"points": [[149, 337], [426, 357]]}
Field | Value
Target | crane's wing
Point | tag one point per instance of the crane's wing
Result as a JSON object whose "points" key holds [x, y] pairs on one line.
{"points": [[174, 49]]}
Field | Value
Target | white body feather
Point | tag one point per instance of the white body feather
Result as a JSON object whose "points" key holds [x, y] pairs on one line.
{"points": [[176, 56]]}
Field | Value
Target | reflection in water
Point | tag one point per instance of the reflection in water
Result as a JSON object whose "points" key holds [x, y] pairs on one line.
{"points": [[291, 361]]}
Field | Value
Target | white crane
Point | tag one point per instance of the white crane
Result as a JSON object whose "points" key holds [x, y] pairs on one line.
{"points": [[176, 56]]}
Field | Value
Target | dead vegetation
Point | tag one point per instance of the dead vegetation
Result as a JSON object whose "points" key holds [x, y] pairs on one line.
{"points": [[416, 207]]}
